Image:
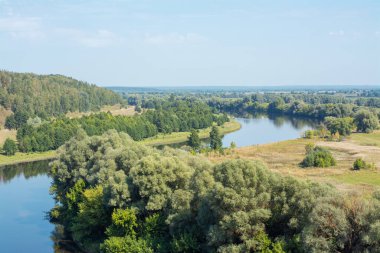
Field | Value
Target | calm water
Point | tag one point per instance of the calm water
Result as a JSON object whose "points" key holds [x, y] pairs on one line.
{"points": [[25, 198], [263, 129], [24, 201]]}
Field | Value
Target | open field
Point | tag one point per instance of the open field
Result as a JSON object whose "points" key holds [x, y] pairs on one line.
{"points": [[163, 139], [372, 139], [284, 157], [6, 133], [113, 109], [24, 157]]}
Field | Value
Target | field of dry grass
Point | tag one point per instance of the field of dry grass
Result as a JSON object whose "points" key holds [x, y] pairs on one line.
{"points": [[6, 133], [284, 158], [4, 113], [113, 109]]}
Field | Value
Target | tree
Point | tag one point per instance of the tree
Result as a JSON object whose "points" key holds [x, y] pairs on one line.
{"points": [[343, 126], [215, 138], [193, 140], [10, 147], [366, 121], [317, 157]]}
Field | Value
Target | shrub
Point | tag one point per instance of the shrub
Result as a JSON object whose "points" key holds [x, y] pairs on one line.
{"points": [[9, 147], [318, 157], [361, 164]]}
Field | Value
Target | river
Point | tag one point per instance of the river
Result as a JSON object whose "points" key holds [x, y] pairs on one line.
{"points": [[25, 198]]}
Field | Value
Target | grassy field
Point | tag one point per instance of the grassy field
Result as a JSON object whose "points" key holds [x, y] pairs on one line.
{"points": [[372, 139], [6, 133], [163, 139], [23, 157], [284, 157], [113, 109]]}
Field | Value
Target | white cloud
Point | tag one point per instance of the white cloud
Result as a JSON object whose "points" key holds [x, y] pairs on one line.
{"points": [[337, 33], [377, 34], [101, 38], [174, 38], [22, 27]]}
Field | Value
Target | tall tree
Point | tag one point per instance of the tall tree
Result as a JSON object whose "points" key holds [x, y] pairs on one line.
{"points": [[215, 138], [193, 140]]}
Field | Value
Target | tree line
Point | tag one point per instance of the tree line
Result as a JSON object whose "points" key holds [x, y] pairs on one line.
{"points": [[172, 117], [116, 195]]}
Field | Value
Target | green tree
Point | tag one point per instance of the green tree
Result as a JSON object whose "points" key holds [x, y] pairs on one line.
{"points": [[317, 157], [194, 140], [9, 147], [215, 138], [343, 126], [366, 121]]}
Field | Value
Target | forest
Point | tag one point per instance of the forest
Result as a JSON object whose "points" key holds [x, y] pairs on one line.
{"points": [[44, 96], [116, 195]]}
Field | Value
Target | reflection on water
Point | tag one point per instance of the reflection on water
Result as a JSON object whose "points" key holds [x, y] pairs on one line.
{"points": [[260, 129], [25, 199], [27, 170]]}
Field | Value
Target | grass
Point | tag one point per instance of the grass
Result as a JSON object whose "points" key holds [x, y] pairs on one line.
{"points": [[113, 109], [372, 139], [284, 158], [26, 157], [163, 139], [363, 177], [5, 133]]}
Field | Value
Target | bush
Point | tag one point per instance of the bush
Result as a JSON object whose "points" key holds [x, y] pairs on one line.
{"points": [[366, 121], [9, 147], [360, 164], [318, 157]]}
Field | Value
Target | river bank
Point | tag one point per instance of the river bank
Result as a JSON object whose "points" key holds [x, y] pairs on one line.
{"points": [[179, 137], [161, 139]]}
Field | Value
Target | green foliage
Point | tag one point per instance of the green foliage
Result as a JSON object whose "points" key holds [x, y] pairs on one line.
{"points": [[125, 245], [54, 133], [215, 139], [366, 121], [360, 164], [49, 95], [92, 218], [193, 141], [16, 120], [115, 195], [318, 157], [343, 126], [9, 147], [124, 223]]}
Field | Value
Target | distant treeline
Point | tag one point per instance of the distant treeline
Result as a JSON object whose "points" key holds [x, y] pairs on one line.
{"points": [[170, 117], [51, 95], [317, 107]]}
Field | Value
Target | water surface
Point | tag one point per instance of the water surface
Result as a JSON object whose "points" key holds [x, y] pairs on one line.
{"points": [[24, 201]]}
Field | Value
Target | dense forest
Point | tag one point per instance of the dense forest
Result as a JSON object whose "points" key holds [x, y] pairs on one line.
{"points": [[116, 195], [50, 95], [171, 116]]}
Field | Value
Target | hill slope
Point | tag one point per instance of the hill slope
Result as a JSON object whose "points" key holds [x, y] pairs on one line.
{"points": [[51, 95]]}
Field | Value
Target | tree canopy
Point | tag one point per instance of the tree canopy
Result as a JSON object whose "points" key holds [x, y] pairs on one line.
{"points": [[168, 200]]}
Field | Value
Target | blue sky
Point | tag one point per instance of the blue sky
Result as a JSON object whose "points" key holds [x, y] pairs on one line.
{"points": [[194, 42]]}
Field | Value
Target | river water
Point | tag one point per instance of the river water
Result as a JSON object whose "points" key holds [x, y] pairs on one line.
{"points": [[25, 198]]}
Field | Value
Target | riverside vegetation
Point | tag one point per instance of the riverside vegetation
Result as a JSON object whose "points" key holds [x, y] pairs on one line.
{"points": [[116, 195]]}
